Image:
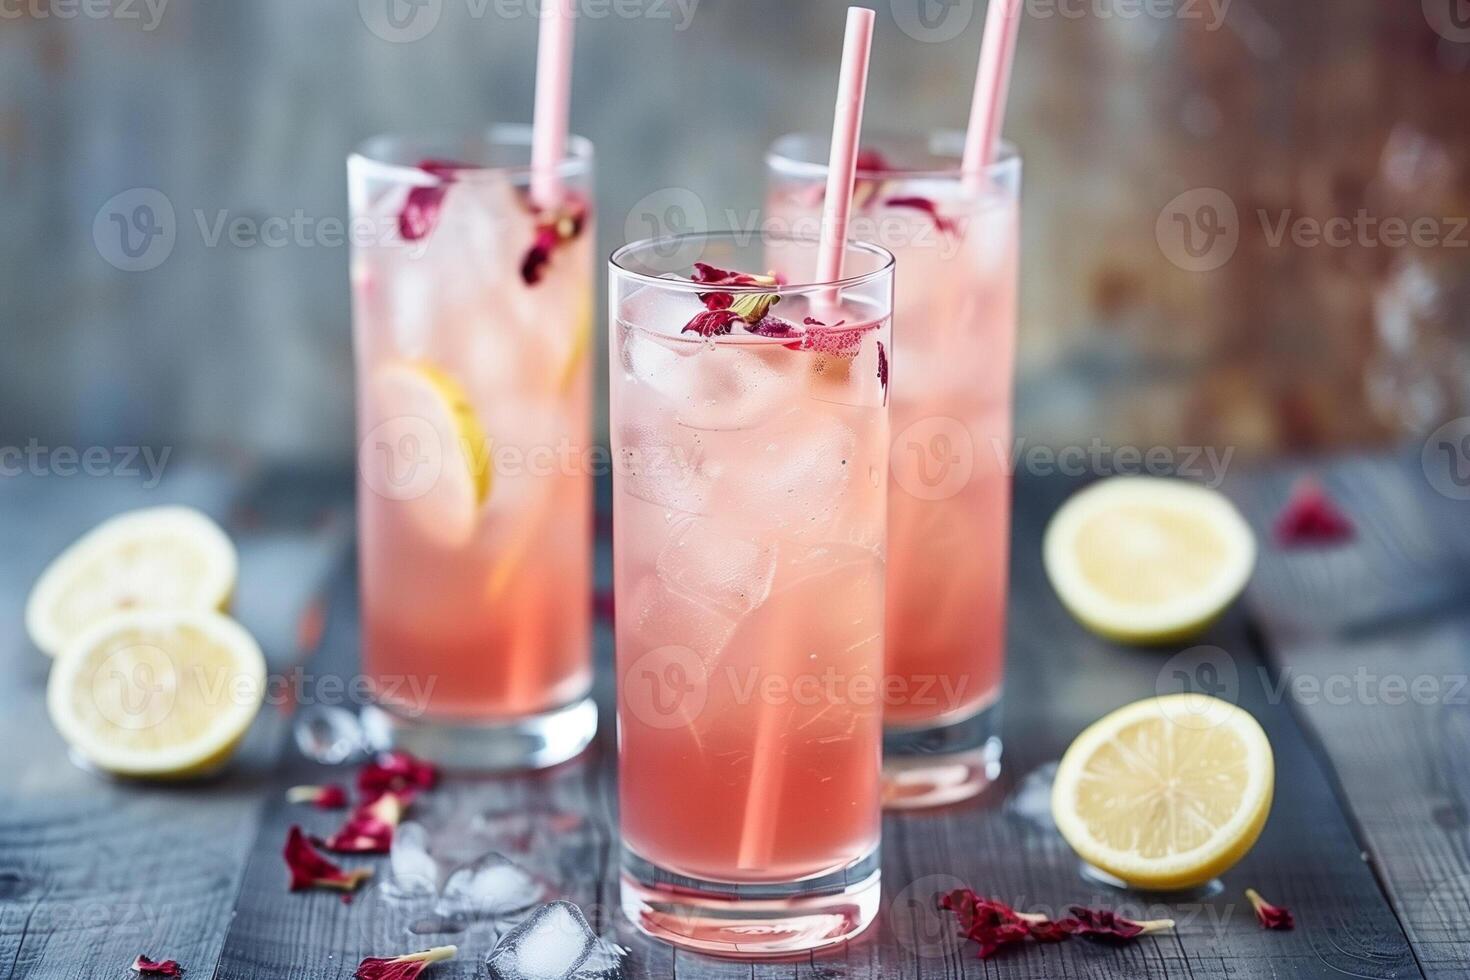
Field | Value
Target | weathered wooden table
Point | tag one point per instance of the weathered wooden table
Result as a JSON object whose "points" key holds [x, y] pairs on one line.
{"points": [[1354, 659]]}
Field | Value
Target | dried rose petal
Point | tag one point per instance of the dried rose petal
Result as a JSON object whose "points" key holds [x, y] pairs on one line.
{"points": [[406, 967], [328, 797], [553, 231], [1311, 518], [310, 870], [157, 968], [421, 209], [369, 830], [711, 323], [1102, 924], [1268, 915], [395, 772], [716, 301], [883, 370], [1045, 930], [988, 923], [945, 225], [774, 326], [708, 275]]}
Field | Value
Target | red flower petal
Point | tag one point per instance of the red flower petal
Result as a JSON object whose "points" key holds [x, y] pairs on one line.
{"points": [[883, 370], [774, 326], [395, 772], [406, 967], [944, 224], [1268, 915], [1102, 924], [1311, 518], [369, 830], [421, 209], [552, 232], [711, 323], [157, 968], [329, 797], [310, 870]]}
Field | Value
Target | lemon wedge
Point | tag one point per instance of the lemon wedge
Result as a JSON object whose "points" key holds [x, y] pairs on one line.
{"points": [[1166, 793], [1148, 559], [157, 693], [426, 451], [155, 558]]}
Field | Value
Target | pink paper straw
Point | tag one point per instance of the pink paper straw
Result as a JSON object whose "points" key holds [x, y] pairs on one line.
{"points": [[992, 81], [847, 124], [553, 102]]}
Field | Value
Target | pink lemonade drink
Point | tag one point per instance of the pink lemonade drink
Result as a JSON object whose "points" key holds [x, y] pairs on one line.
{"points": [[750, 446], [472, 318], [950, 491]]}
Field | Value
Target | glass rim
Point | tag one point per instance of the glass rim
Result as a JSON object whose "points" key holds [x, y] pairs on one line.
{"points": [[369, 156], [1008, 156], [618, 266]]}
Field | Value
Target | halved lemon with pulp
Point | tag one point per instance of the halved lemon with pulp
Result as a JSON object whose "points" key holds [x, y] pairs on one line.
{"points": [[1167, 792], [1148, 559], [155, 558], [157, 693], [425, 450]]}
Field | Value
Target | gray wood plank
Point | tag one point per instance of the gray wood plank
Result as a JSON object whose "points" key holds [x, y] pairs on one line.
{"points": [[1060, 678], [1378, 672], [92, 871]]}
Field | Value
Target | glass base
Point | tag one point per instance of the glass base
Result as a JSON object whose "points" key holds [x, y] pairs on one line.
{"points": [[533, 742], [924, 767], [745, 921]]}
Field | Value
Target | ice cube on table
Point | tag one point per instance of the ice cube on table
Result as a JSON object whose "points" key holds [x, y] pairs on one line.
{"points": [[490, 887], [329, 735], [415, 871], [554, 943], [711, 560]]}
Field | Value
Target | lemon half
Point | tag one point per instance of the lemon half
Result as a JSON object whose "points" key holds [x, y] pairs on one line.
{"points": [[1148, 559], [157, 693], [155, 558], [1167, 792]]}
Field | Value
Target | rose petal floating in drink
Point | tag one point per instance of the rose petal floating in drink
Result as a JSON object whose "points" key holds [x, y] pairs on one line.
{"points": [[712, 323], [395, 772], [329, 797], [157, 968], [924, 204], [369, 830], [1268, 915], [1310, 518], [883, 370], [405, 967], [310, 870], [552, 232], [421, 209]]}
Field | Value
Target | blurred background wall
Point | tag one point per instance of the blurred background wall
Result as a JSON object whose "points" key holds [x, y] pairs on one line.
{"points": [[1174, 149]]}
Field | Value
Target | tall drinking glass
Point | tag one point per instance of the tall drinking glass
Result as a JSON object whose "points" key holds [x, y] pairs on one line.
{"points": [[957, 245], [749, 511], [472, 322]]}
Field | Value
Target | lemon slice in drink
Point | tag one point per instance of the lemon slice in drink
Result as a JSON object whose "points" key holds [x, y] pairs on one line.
{"points": [[1148, 559], [157, 693], [425, 450], [155, 558], [1167, 792]]}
